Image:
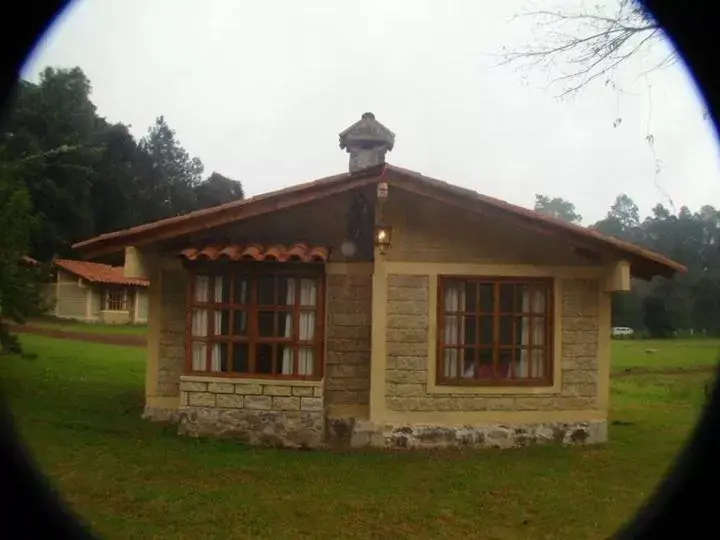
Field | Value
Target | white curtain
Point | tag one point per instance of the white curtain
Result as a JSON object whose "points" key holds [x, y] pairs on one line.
{"points": [[532, 331], [454, 331], [308, 298], [287, 361]]}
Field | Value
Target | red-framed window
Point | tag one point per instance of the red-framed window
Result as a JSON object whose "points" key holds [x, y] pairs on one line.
{"points": [[253, 321], [495, 331]]}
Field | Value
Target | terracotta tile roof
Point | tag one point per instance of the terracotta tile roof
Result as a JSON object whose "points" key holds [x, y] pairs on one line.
{"points": [[645, 263], [29, 261], [99, 273], [258, 252]]}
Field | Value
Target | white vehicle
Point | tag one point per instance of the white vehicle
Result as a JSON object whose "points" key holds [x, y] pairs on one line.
{"points": [[622, 331]]}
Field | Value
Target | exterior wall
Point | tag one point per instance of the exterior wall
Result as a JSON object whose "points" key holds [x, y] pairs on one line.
{"points": [[409, 409], [165, 360], [115, 317], [141, 305], [95, 303], [72, 297], [424, 230], [347, 338], [263, 412]]}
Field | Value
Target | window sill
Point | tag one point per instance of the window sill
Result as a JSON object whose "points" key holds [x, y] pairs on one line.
{"points": [[248, 380], [123, 311], [495, 389]]}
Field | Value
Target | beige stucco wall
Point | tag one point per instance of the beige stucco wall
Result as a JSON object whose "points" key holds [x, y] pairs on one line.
{"points": [[425, 230], [72, 296]]}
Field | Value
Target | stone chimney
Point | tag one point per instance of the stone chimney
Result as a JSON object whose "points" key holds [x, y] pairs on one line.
{"points": [[367, 141]]}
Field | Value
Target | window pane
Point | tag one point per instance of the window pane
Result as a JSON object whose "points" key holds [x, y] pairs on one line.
{"points": [[307, 325], [505, 330], [286, 291], [538, 299], [507, 291], [486, 297], [199, 322], [308, 292], [266, 323], [451, 331], [285, 359], [486, 330], [284, 324], [266, 290], [485, 369], [240, 294], [469, 330], [471, 297], [454, 297], [522, 363], [221, 323], [240, 323], [240, 358], [537, 365], [306, 361], [538, 330], [219, 357], [202, 288], [221, 292], [199, 356], [503, 367], [469, 364], [451, 363], [263, 358]]}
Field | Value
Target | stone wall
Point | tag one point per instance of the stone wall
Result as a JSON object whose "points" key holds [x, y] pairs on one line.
{"points": [[347, 339], [72, 299], [492, 435], [171, 350], [407, 354], [256, 412]]}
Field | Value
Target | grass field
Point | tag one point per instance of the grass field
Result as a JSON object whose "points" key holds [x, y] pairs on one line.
{"points": [[91, 328], [78, 404]]}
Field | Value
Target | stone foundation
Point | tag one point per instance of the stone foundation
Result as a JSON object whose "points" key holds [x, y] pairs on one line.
{"points": [[290, 429], [258, 412], [348, 432]]}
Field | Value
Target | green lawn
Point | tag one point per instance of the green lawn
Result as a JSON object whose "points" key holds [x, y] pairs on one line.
{"points": [[92, 328], [78, 405]]}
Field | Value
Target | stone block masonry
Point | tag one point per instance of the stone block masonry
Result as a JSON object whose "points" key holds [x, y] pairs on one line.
{"points": [[347, 339], [255, 412], [408, 353]]}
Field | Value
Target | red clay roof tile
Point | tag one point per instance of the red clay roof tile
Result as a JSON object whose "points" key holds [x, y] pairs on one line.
{"points": [[99, 273], [276, 252]]}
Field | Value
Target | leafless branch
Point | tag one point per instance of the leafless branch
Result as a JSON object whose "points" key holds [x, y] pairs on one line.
{"points": [[586, 45]]}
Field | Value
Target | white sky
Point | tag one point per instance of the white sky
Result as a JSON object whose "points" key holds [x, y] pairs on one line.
{"points": [[260, 89]]}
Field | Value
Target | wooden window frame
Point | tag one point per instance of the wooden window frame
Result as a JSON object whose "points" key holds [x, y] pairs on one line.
{"points": [[124, 297], [299, 271], [496, 281]]}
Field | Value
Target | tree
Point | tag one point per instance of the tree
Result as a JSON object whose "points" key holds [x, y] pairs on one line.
{"points": [[46, 142], [170, 175], [218, 189], [557, 207], [19, 284], [622, 220], [588, 43]]}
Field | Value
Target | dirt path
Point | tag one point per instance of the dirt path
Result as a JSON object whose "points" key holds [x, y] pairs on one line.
{"points": [[108, 339]]}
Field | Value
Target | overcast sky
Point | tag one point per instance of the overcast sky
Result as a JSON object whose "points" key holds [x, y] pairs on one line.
{"points": [[260, 89]]}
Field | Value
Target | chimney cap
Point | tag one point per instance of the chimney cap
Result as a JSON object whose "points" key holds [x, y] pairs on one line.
{"points": [[367, 132]]}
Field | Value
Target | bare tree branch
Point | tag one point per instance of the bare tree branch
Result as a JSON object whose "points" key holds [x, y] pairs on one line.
{"points": [[586, 45]]}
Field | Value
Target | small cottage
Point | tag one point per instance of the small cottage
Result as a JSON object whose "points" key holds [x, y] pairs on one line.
{"points": [[94, 292], [379, 307]]}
